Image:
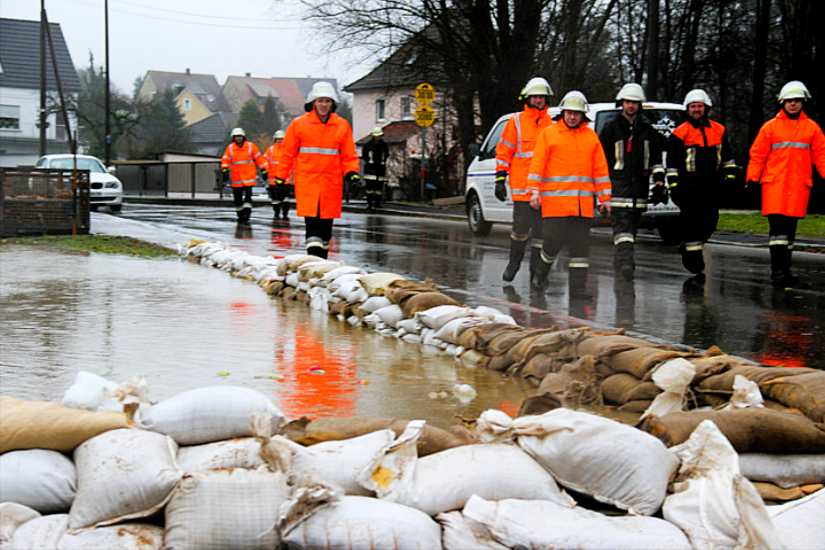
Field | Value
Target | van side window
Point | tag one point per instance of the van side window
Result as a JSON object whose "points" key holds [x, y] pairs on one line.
{"points": [[488, 150]]}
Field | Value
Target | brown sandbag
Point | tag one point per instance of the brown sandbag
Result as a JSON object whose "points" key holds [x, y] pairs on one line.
{"points": [[514, 358], [289, 293], [714, 361], [605, 344], [507, 338], [556, 342], [750, 430], [621, 388], [805, 392], [425, 301], [540, 366], [469, 338], [401, 290], [723, 381], [640, 361], [574, 385], [639, 406], [769, 491], [489, 332], [539, 404], [432, 439], [476, 359]]}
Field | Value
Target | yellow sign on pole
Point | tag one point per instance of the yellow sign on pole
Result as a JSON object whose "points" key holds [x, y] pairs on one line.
{"points": [[424, 116], [424, 94]]}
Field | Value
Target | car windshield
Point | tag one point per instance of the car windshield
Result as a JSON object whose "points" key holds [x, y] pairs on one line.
{"points": [[663, 120], [92, 165]]}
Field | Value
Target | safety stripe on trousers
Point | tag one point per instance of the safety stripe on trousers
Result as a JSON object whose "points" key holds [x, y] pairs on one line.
{"points": [[547, 259], [778, 240], [694, 246], [517, 237], [623, 238], [578, 263]]}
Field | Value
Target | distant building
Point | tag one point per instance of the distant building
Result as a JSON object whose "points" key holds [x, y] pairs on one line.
{"points": [[290, 92], [20, 92], [198, 96]]}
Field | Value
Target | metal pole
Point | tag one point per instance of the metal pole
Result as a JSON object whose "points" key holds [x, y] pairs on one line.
{"points": [[423, 157], [106, 114], [42, 117]]}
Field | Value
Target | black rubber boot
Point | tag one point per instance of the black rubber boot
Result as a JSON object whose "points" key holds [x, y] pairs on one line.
{"points": [[623, 260], [538, 276], [516, 255], [285, 210], [577, 284], [692, 259]]}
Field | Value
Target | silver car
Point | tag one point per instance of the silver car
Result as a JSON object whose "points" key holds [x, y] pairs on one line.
{"points": [[105, 188]]}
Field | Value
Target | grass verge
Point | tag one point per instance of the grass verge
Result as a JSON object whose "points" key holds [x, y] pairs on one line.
{"points": [[754, 222], [102, 244]]}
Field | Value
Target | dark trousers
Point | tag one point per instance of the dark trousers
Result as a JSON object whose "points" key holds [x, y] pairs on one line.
{"points": [[242, 197], [571, 231], [699, 217], [625, 227], [782, 234], [318, 236]]}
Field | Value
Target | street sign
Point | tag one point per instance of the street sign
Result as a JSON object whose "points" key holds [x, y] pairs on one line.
{"points": [[424, 94], [424, 116]]}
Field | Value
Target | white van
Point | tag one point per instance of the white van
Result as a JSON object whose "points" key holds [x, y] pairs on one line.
{"points": [[484, 209]]}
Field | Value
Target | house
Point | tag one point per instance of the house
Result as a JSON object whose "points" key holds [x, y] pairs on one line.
{"points": [[290, 92], [210, 134], [20, 92], [198, 96]]}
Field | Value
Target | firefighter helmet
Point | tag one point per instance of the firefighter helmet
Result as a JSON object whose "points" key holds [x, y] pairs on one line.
{"points": [[237, 132], [793, 90], [321, 89], [574, 101], [279, 134], [698, 96], [631, 92], [377, 132], [536, 86]]}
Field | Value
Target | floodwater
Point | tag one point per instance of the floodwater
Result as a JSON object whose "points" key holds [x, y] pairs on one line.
{"points": [[185, 326]]}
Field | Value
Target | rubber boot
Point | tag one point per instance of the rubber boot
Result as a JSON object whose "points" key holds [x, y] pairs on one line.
{"points": [[692, 259], [535, 259], [285, 210], [781, 267], [623, 260], [538, 277], [577, 284], [516, 255]]}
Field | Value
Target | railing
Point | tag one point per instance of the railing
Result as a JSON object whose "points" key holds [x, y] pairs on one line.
{"points": [[168, 179]]}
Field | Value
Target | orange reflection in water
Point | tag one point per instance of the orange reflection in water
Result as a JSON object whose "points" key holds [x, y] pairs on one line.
{"points": [[786, 342], [317, 381]]}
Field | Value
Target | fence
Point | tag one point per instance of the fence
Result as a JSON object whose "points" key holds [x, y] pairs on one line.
{"points": [[166, 179], [36, 201]]}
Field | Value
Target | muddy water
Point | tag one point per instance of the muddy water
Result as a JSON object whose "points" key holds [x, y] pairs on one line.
{"points": [[185, 326]]}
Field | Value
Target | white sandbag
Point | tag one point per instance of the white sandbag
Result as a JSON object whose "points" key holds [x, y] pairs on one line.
{"points": [[461, 533], [123, 474], [41, 479], [437, 316], [412, 338], [546, 524], [221, 509], [412, 325], [800, 524], [243, 452], [674, 378], [41, 533], [293, 280], [376, 284], [428, 338], [363, 523], [390, 315], [124, 536], [450, 331], [745, 394], [318, 302], [12, 516], [786, 471], [493, 315], [712, 502], [204, 415], [314, 270], [133, 392], [87, 392], [330, 276], [346, 279], [443, 481], [375, 302]]}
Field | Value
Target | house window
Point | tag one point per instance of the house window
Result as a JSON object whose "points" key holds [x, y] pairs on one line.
{"points": [[380, 105], [406, 108], [9, 117], [187, 104]]}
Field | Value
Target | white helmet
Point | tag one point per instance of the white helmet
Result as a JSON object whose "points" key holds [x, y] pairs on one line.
{"points": [[631, 92], [793, 90], [377, 132], [279, 134], [574, 101], [698, 96], [237, 132], [321, 89], [537, 86]]}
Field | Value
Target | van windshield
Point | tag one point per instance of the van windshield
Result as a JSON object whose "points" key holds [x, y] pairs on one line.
{"points": [[663, 120]]}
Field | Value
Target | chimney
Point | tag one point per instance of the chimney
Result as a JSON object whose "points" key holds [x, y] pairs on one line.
{"points": [[248, 75], [187, 71]]}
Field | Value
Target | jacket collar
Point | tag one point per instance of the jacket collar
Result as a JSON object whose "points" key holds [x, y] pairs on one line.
{"points": [[784, 116], [534, 113]]}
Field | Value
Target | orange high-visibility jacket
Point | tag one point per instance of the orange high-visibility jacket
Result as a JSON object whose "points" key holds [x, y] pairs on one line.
{"points": [[272, 154], [514, 151], [320, 155], [241, 162], [569, 170], [698, 150], [781, 159]]}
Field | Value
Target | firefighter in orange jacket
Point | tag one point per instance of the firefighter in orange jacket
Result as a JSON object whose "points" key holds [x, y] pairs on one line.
{"points": [[514, 153], [278, 194], [238, 168], [699, 158], [319, 151], [780, 160], [567, 175]]}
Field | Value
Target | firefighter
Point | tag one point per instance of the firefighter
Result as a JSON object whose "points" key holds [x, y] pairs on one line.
{"points": [[375, 154], [634, 153], [513, 155], [780, 160], [319, 152], [238, 168], [699, 160], [567, 175], [277, 193]]}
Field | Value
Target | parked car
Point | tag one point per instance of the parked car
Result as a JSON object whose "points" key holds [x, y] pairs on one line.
{"points": [[105, 188], [484, 209]]}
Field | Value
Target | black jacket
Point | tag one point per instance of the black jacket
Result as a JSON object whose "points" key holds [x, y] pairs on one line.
{"points": [[630, 170], [375, 154]]}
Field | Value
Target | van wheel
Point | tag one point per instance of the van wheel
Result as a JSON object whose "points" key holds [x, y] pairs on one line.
{"points": [[670, 232], [475, 217]]}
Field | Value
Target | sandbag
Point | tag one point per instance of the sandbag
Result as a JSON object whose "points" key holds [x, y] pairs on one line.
{"points": [[775, 493], [574, 385], [425, 301], [38, 478], [673, 378], [389, 315], [801, 524], [204, 415], [221, 509], [376, 284], [12, 516], [40, 533], [375, 302], [50, 425], [401, 290], [562, 342], [460, 533], [504, 333], [125, 536], [123, 474], [604, 345], [438, 316], [805, 392], [622, 387], [546, 524], [242, 452], [786, 470], [638, 362], [452, 330], [750, 430]]}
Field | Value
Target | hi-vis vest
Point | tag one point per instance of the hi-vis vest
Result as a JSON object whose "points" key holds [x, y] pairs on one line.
{"points": [[241, 162], [514, 151]]}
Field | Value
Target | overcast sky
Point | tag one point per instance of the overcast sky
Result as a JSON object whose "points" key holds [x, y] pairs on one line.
{"points": [[220, 37]]}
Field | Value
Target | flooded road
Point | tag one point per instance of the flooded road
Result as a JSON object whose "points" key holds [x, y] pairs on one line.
{"points": [[185, 326]]}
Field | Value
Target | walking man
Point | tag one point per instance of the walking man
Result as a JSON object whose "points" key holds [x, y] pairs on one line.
{"points": [[238, 168], [375, 154], [634, 153], [514, 153], [277, 192], [780, 160], [319, 151]]}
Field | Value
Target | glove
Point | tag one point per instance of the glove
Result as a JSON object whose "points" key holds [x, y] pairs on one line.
{"points": [[750, 184], [674, 189], [659, 194], [279, 181], [353, 180], [225, 175], [264, 174], [501, 185]]}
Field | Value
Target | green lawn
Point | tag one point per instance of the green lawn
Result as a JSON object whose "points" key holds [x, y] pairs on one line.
{"points": [[754, 222], [103, 244]]}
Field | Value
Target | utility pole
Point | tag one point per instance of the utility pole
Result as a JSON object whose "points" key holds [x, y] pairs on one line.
{"points": [[106, 114], [42, 117]]}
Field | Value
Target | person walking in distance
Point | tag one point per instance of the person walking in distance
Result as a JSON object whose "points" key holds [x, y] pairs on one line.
{"points": [[568, 175], [699, 162], [634, 153], [780, 161], [238, 167], [277, 192], [514, 153], [319, 151], [375, 154]]}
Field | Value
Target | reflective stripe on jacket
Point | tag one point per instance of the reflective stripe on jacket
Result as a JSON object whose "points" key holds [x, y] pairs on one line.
{"points": [[698, 148], [241, 162], [319, 156], [514, 151], [569, 170], [781, 159], [633, 153]]}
